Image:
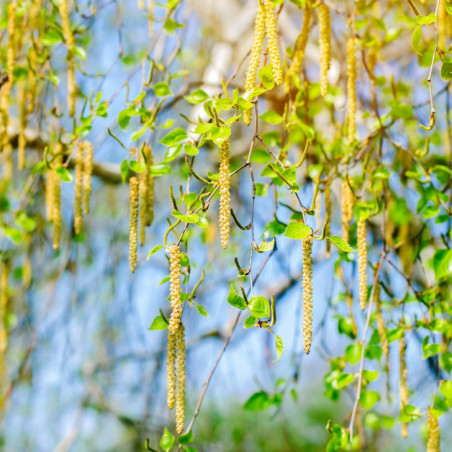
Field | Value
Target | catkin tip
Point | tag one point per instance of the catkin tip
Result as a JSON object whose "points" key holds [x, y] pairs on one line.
{"points": [[181, 379]]}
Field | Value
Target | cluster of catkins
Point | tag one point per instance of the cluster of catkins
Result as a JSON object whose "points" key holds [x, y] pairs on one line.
{"points": [[175, 360]]}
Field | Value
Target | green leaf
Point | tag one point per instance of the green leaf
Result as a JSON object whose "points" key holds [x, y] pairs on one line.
{"points": [[340, 243], [266, 77], [203, 128], [370, 375], [124, 170], [442, 261], [271, 117], [137, 167], [446, 361], [297, 231], [162, 89], [202, 310], [369, 398], [160, 169], [167, 441], [186, 438], [139, 133], [446, 71], [266, 246], [197, 96], [14, 234], [250, 321], [64, 174], [235, 300], [259, 306], [24, 221], [219, 134], [279, 348], [154, 250], [176, 136], [273, 229], [258, 401], [186, 218], [308, 131], [353, 353], [159, 323], [191, 150], [416, 39], [426, 20], [344, 380]]}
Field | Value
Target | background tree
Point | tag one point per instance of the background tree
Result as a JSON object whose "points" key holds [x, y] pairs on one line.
{"points": [[265, 186]]}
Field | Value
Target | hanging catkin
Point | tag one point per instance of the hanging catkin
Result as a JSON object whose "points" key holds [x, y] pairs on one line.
{"points": [[362, 264], [299, 49], [143, 207], [6, 90], [133, 220], [255, 58], [149, 186], [175, 289], [55, 199], [22, 141], [380, 322], [307, 293], [272, 37], [87, 174], [346, 208], [70, 44], [403, 387], [171, 370], [225, 196], [324, 46], [32, 80], [180, 388], [151, 7], [78, 189], [4, 273], [442, 25], [432, 432], [328, 211], [351, 89]]}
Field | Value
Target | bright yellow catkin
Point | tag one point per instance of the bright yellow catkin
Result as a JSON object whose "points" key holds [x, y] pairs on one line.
{"points": [[143, 208], [4, 273], [171, 370], [10, 60], [56, 211], [175, 289], [225, 195], [151, 7], [346, 209], [70, 44], [22, 141], [180, 388], [133, 220], [442, 25], [32, 80], [49, 183], [324, 46], [87, 174], [272, 37], [328, 213], [351, 89], [78, 190], [149, 187], [432, 432], [307, 293], [362, 264], [380, 322], [403, 387], [255, 58], [299, 49]]}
